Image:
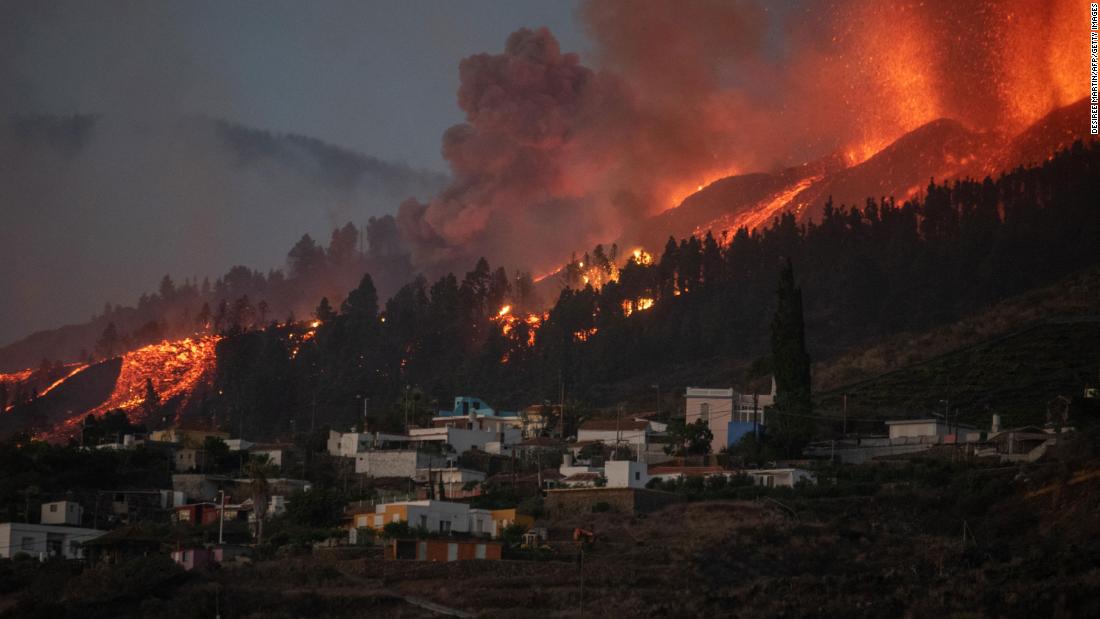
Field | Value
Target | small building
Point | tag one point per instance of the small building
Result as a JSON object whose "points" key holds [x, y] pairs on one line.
{"points": [[277, 454], [194, 558], [121, 545], [939, 430], [43, 541], [728, 414], [347, 444], [442, 517], [196, 514], [188, 459], [460, 440], [780, 478], [187, 436], [62, 512], [441, 550], [471, 413], [614, 431], [626, 474]]}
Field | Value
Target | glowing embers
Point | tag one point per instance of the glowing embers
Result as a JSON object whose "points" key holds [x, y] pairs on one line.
{"points": [[637, 305], [585, 334], [510, 322]]}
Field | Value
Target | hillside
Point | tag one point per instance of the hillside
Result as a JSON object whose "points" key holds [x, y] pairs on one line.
{"points": [[1016, 376], [942, 150]]}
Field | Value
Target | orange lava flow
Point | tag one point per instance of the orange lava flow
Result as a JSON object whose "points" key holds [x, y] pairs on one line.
{"points": [[175, 368], [763, 213], [77, 368]]}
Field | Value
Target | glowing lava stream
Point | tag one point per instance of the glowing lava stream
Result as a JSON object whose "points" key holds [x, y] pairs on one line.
{"points": [[175, 369], [764, 211]]}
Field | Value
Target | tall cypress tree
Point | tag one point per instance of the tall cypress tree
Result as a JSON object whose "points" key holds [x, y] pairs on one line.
{"points": [[793, 405]]}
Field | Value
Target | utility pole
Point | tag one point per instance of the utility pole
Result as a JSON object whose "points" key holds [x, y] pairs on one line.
{"points": [[221, 519], [406, 409], [845, 431], [657, 386], [561, 405], [618, 431]]}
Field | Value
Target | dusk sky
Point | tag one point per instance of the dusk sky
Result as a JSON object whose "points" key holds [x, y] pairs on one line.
{"points": [[378, 77]]}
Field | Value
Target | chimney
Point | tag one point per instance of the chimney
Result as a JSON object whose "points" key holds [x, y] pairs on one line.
{"points": [[567, 460], [996, 426]]}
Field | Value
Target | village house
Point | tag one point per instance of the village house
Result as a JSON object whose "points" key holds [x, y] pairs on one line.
{"points": [[122, 545], [442, 517], [927, 430], [277, 454], [62, 512], [194, 558], [611, 474], [780, 478], [44, 541], [474, 414], [633, 432], [729, 415], [347, 444], [441, 550], [187, 436]]}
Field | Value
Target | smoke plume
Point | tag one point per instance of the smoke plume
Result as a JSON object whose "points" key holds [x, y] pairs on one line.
{"points": [[555, 156]]}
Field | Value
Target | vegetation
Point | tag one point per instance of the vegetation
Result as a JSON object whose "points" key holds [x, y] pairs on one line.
{"points": [[864, 272]]}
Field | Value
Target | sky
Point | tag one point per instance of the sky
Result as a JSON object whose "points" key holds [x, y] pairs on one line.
{"points": [[145, 197], [376, 76]]}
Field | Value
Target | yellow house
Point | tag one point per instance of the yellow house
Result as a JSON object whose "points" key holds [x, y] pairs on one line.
{"points": [[442, 517], [188, 437]]}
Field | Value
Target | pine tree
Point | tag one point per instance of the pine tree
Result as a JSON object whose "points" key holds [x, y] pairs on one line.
{"points": [[324, 311], [791, 363]]}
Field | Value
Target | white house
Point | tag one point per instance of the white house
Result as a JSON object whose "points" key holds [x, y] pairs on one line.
{"points": [[347, 444], [937, 429], [780, 478], [462, 440], [436, 516], [276, 453], [44, 541], [62, 512], [626, 474], [614, 474], [718, 408], [614, 432]]}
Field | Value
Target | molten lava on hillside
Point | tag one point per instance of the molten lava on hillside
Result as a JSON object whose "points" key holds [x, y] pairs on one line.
{"points": [[174, 368]]}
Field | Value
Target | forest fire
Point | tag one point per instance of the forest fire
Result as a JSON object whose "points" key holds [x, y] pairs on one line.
{"points": [[637, 305], [509, 321]]}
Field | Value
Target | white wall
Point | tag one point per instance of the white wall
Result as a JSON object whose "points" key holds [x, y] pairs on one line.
{"points": [[347, 444], [34, 539], [62, 512], [626, 474], [629, 437]]}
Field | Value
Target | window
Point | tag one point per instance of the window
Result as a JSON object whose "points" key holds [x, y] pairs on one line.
{"points": [[444, 526], [423, 521], [637, 476], [704, 411], [28, 544], [53, 507]]}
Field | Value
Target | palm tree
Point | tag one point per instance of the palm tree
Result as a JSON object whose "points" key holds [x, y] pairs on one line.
{"points": [[258, 468]]}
